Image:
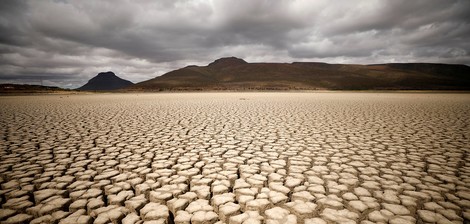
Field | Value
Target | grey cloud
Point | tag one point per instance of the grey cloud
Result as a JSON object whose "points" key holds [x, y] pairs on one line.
{"points": [[69, 41], [393, 14]]}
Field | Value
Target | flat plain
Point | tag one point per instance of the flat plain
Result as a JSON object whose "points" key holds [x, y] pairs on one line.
{"points": [[312, 157]]}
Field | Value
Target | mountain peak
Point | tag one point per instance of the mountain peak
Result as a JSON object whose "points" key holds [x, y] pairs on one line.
{"points": [[227, 62], [106, 74], [106, 81]]}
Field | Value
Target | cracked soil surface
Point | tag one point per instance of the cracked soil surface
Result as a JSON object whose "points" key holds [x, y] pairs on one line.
{"points": [[235, 158]]}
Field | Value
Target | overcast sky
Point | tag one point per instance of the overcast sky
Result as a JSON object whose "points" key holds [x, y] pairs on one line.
{"points": [[65, 43]]}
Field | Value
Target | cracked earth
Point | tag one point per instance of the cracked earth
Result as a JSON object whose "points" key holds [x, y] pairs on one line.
{"points": [[235, 158]]}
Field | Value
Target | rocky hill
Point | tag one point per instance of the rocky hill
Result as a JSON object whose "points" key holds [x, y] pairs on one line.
{"points": [[236, 74], [106, 81]]}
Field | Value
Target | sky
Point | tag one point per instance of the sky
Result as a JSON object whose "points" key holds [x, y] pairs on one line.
{"points": [[66, 42]]}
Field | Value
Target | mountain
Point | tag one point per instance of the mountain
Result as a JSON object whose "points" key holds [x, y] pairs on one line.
{"points": [[106, 81], [236, 74]]}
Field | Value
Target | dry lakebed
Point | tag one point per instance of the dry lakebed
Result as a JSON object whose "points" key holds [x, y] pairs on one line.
{"points": [[259, 157]]}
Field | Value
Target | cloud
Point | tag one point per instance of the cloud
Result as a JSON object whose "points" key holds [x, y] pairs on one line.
{"points": [[66, 42]]}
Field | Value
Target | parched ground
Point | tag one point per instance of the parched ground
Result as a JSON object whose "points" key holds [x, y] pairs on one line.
{"points": [[235, 158]]}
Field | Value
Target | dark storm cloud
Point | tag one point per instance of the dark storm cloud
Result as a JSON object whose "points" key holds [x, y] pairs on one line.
{"points": [[67, 42]]}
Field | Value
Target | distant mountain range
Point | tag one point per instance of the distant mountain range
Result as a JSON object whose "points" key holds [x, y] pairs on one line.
{"points": [[236, 74], [24, 88], [106, 81]]}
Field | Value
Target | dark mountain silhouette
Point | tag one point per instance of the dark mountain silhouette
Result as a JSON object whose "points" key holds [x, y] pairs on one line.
{"points": [[236, 74], [106, 81]]}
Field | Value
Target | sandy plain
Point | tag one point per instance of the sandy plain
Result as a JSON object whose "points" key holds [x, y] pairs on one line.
{"points": [[235, 158]]}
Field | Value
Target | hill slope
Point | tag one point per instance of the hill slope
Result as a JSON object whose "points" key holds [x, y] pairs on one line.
{"points": [[236, 74], [106, 81]]}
